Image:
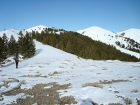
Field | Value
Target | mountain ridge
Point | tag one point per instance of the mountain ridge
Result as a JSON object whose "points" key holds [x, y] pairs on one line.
{"points": [[96, 33]]}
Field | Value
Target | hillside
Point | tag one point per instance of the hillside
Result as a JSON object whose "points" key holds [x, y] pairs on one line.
{"points": [[65, 78], [124, 41]]}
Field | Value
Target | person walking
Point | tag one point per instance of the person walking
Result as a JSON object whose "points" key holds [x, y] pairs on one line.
{"points": [[16, 59]]}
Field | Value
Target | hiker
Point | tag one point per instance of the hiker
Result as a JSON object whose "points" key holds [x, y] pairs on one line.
{"points": [[16, 59]]}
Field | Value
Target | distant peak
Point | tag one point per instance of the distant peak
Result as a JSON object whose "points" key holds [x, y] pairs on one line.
{"points": [[42, 26], [94, 27]]}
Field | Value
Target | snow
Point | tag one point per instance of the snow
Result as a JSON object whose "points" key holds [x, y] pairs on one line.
{"points": [[116, 78]]}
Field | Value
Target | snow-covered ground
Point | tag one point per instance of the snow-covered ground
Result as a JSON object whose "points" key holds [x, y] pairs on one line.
{"points": [[102, 82]]}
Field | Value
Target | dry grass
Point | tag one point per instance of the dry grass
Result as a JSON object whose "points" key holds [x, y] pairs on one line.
{"points": [[130, 77], [38, 75], [126, 100], [115, 104], [101, 82], [116, 91], [31, 66], [104, 68], [112, 81], [94, 103], [93, 84], [61, 67], [43, 96], [135, 91], [54, 73], [40, 66]]}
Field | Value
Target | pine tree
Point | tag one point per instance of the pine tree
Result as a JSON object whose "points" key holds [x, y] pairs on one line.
{"points": [[20, 43], [69, 47], [28, 46], [33, 34], [1, 50], [5, 45], [12, 45]]}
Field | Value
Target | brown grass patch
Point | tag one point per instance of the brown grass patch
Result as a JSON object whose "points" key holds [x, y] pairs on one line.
{"points": [[43, 96], [135, 91], [93, 84], [38, 75], [115, 104]]}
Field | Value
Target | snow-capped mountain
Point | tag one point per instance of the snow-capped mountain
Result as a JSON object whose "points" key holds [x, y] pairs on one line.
{"points": [[132, 34], [37, 28], [124, 41], [15, 32]]}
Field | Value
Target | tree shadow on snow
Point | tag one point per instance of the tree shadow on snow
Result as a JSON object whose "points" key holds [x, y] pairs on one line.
{"points": [[88, 101], [38, 51]]}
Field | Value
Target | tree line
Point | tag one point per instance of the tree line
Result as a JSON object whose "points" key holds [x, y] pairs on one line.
{"points": [[24, 46], [82, 46], [132, 45]]}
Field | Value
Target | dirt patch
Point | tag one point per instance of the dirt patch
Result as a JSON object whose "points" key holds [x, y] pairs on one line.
{"points": [[45, 94]]}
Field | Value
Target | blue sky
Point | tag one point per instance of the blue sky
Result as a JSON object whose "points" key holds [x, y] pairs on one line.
{"points": [[113, 15]]}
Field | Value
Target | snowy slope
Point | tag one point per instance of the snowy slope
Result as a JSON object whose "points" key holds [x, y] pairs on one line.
{"points": [[131, 33], [12, 32], [110, 38], [78, 72], [37, 28], [102, 82]]}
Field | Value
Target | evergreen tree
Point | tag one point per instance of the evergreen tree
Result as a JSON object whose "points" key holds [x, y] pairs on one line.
{"points": [[33, 34], [5, 45], [20, 43], [28, 46], [1, 50], [12, 45]]}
